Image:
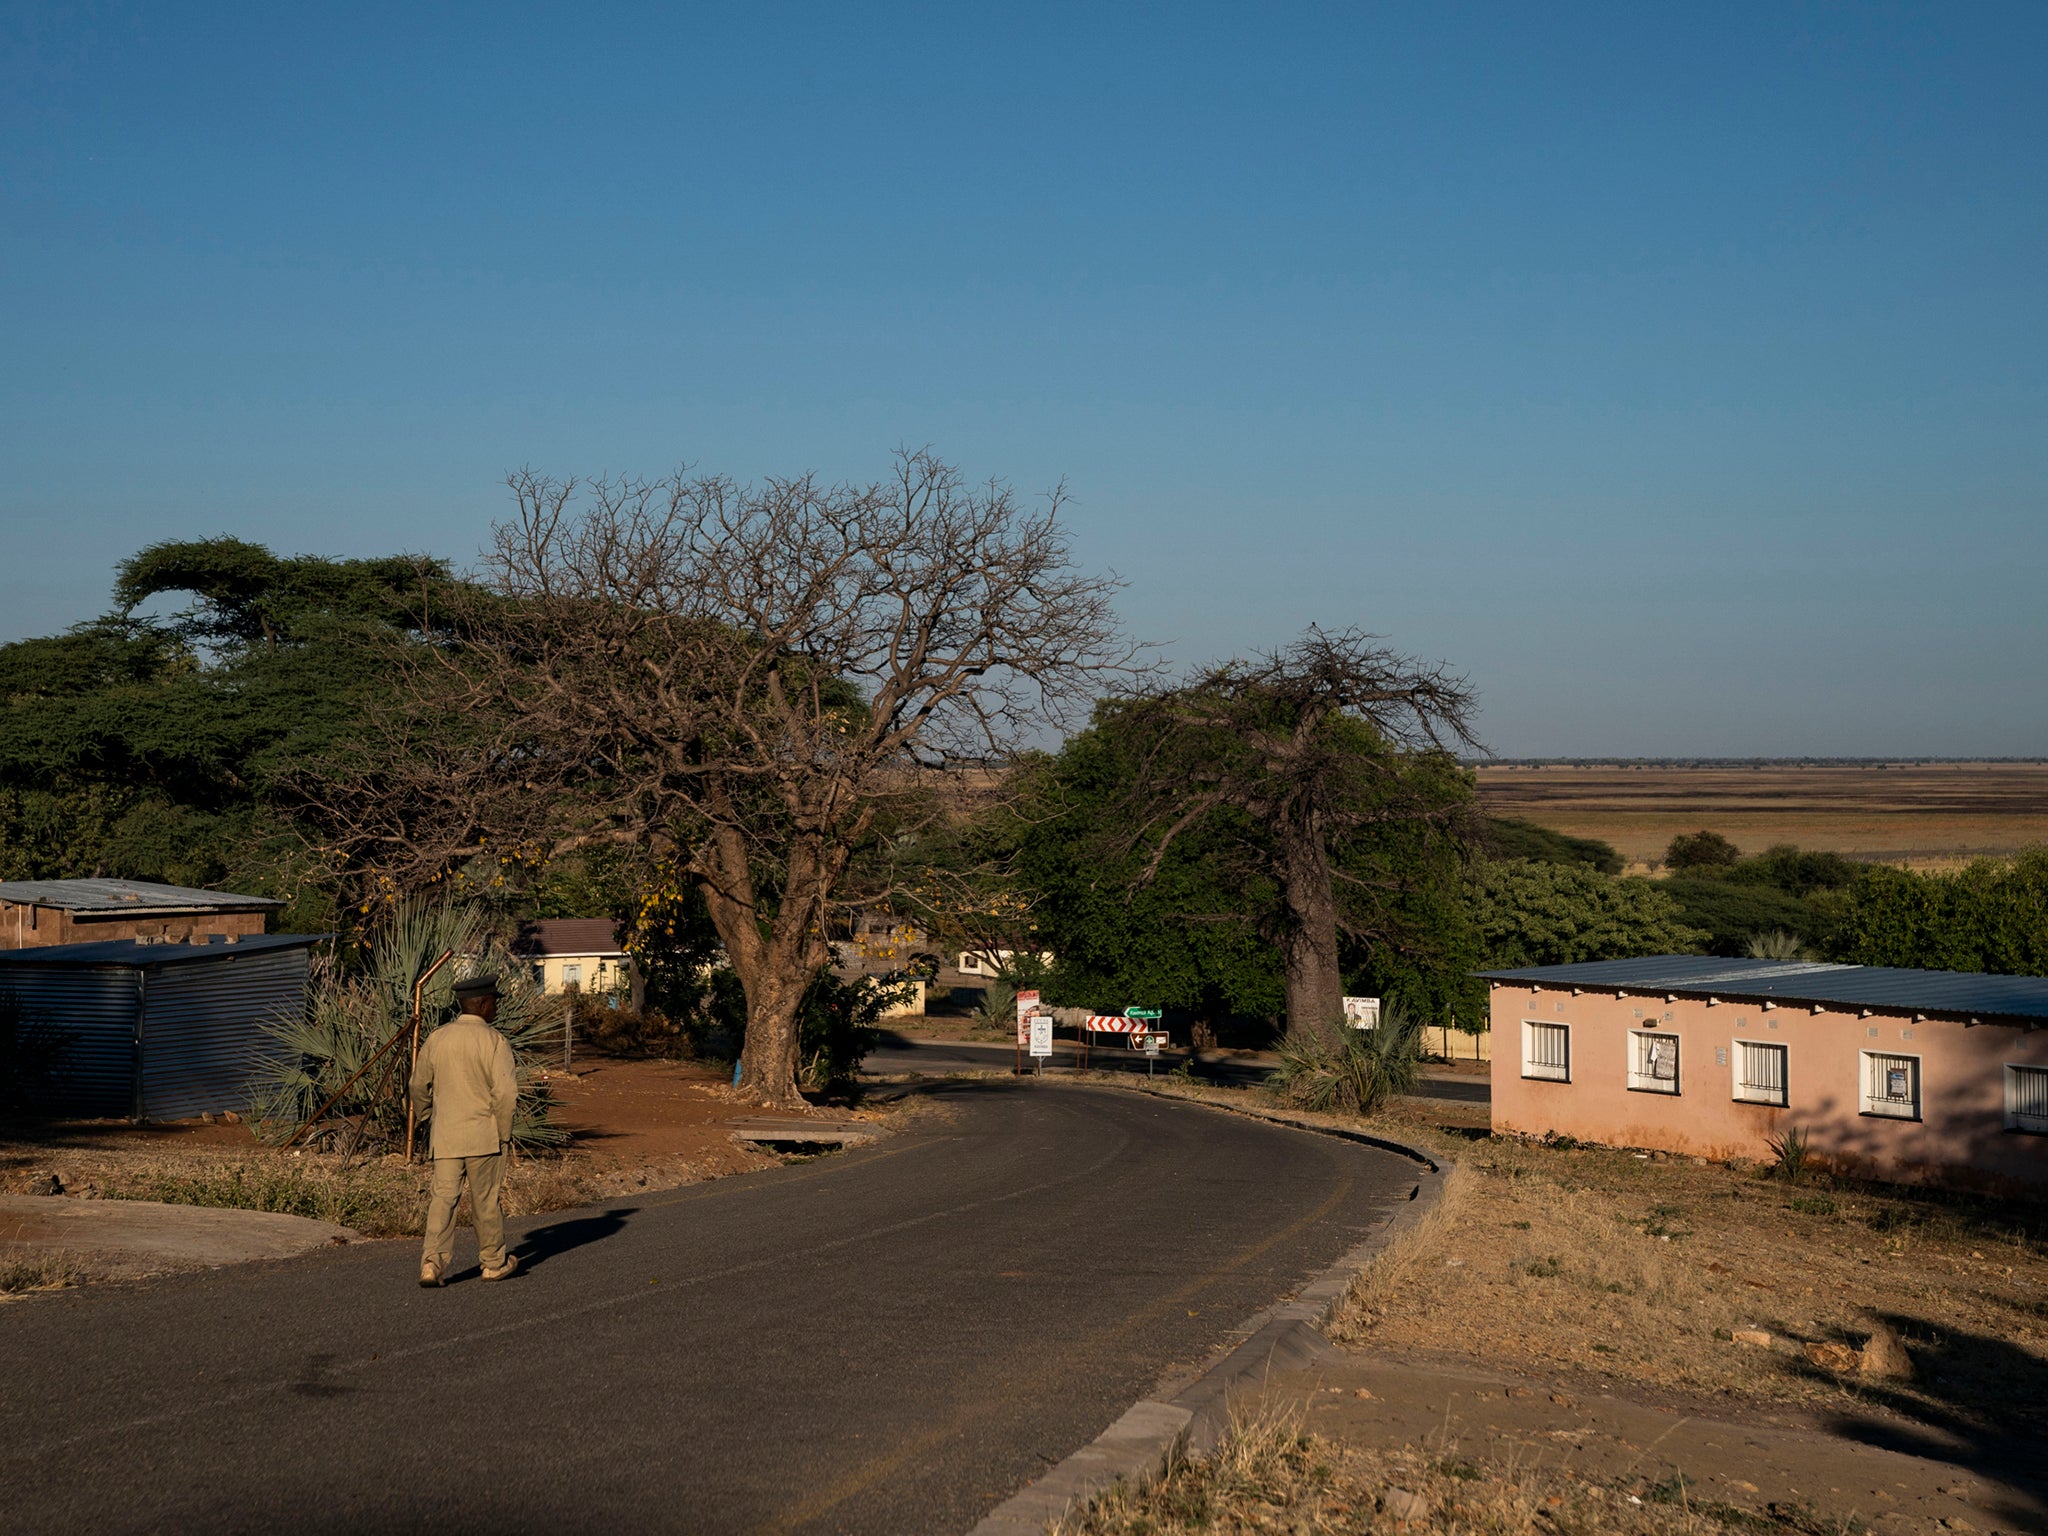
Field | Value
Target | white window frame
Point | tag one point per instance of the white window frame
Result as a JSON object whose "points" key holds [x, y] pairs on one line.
{"points": [[1643, 1078], [1546, 1071], [1746, 1093], [2018, 1116], [1875, 1069]]}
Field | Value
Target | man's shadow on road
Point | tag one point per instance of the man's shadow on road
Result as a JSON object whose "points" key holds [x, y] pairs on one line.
{"points": [[540, 1244]]}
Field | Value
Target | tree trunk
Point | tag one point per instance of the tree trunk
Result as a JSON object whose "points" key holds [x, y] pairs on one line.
{"points": [[1315, 981], [775, 968], [768, 1059]]}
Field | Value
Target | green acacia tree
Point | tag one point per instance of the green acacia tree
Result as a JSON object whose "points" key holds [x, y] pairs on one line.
{"points": [[153, 747]]}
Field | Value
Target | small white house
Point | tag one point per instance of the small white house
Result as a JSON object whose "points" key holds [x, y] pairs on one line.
{"points": [[573, 954], [991, 962]]}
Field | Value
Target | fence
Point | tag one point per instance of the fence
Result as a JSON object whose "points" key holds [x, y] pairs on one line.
{"points": [[1455, 1044]]}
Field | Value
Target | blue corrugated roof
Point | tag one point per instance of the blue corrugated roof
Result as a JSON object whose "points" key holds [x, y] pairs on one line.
{"points": [[1965, 993], [127, 952]]}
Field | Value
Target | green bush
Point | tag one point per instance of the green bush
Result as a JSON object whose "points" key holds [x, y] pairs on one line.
{"points": [[1701, 851], [836, 1026], [1992, 916], [1504, 837], [1730, 914]]}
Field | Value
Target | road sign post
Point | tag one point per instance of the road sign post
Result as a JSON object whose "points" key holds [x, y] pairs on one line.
{"points": [[1041, 1039], [1027, 1005]]}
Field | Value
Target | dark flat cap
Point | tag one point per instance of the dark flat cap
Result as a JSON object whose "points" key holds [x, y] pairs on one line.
{"points": [[483, 985]]}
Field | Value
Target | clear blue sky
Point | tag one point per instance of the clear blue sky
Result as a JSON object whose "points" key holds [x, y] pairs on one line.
{"points": [[1679, 374]]}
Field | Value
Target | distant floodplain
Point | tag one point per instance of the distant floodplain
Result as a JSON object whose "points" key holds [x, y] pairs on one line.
{"points": [[1927, 814]]}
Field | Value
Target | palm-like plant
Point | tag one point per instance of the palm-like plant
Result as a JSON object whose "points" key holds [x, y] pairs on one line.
{"points": [[1778, 945], [347, 1017], [1356, 1072]]}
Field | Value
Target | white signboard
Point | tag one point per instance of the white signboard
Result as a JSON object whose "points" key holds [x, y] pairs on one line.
{"points": [[1152, 1044], [1041, 1034], [1027, 1004], [1362, 1012]]}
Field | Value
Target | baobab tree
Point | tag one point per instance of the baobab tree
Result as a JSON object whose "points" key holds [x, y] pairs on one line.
{"points": [[1327, 741], [745, 682]]}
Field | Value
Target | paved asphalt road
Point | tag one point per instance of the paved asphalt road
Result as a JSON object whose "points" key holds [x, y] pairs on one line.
{"points": [[887, 1340], [899, 1053]]}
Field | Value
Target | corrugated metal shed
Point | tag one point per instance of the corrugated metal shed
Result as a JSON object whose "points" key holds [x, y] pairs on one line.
{"points": [[1961, 994], [127, 896], [160, 1031]]}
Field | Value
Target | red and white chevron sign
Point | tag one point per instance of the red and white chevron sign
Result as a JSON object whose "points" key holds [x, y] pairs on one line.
{"points": [[1116, 1024]]}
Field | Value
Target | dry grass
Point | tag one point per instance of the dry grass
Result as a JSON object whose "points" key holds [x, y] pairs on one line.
{"points": [[23, 1270], [1268, 1477], [1639, 1270]]}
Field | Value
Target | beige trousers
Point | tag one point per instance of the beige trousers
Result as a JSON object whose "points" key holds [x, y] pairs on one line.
{"points": [[486, 1178]]}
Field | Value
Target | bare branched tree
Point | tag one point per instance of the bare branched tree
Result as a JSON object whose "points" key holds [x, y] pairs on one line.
{"points": [[747, 682], [1315, 744]]}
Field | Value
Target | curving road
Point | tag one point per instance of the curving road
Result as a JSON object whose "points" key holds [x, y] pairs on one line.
{"points": [[887, 1340], [901, 1053]]}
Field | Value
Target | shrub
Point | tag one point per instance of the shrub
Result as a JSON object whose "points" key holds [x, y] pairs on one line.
{"points": [[1796, 871], [1701, 851], [1506, 838], [836, 1026], [1730, 913], [1793, 1151], [1777, 945], [633, 1032], [1355, 1070], [348, 1016]]}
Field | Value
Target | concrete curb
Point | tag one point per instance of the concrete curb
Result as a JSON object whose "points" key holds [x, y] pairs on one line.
{"points": [[1286, 1336]]}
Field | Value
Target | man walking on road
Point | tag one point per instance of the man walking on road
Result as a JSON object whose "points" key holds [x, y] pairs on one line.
{"points": [[465, 1084]]}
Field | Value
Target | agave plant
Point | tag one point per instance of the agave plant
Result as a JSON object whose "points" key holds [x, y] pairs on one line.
{"points": [[349, 1016], [1777, 945], [1354, 1070]]}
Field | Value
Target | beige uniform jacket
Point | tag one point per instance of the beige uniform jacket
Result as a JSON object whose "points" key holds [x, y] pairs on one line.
{"points": [[465, 1084]]}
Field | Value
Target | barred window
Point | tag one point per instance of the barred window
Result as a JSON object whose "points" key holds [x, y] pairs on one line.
{"points": [[1652, 1062], [1760, 1076], [1891, 1085], [1547, 1051], [2026, 1099]]}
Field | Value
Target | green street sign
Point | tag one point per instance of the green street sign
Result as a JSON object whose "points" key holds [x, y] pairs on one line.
{"points": [[1141, 1013]]}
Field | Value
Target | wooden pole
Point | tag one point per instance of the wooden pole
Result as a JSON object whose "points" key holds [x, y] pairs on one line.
{"points": [[413, 1028]]}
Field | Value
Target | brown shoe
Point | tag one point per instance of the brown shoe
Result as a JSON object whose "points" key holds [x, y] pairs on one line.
{"points": [[430, 1273], [505, 1269]]}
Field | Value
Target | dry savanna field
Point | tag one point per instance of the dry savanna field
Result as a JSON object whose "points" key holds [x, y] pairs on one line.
{"points": [[1926, 815]]}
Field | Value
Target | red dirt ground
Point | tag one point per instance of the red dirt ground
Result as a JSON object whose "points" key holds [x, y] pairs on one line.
{"points": [[640, 1114]]}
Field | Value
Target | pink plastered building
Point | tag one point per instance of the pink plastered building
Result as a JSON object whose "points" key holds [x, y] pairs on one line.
{"points": [[1930, 1076]]}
